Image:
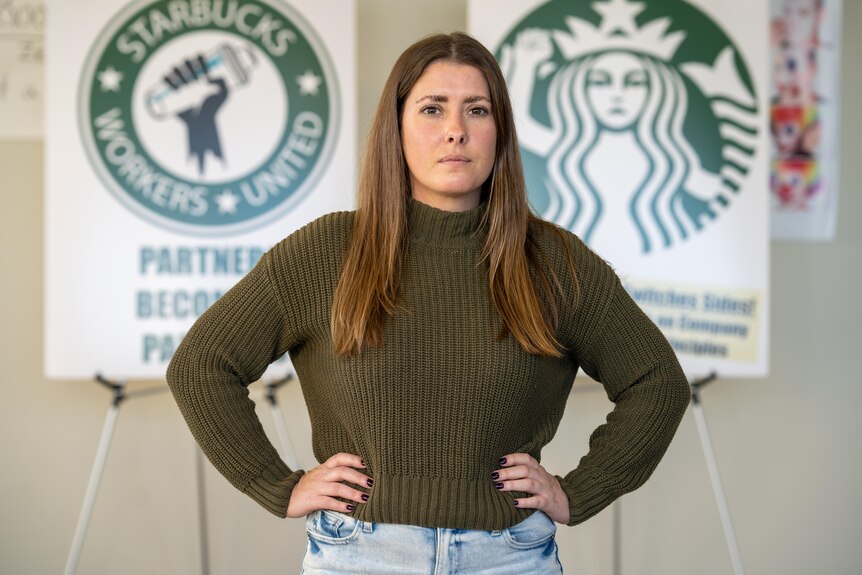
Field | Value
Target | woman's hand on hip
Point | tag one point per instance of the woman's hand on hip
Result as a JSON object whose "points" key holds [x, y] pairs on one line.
{"points": [[521, 472], [319, 487]]}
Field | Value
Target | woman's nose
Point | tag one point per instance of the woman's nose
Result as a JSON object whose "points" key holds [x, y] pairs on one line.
{"points": [[455, 132]]}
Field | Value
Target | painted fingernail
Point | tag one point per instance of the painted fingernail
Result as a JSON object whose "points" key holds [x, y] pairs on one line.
{"points": [[370, 483], [495, 475], [499, 485], [350, 508], [362, 462], [502, 461], [515, 502], [364, 497]]}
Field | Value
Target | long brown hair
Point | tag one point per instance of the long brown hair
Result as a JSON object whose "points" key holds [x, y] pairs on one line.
{"points": [[367, 290]]}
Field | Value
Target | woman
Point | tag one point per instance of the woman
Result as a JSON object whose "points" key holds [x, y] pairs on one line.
{"points": [[436, 333]]}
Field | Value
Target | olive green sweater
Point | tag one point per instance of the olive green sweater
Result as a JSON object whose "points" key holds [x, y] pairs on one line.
{"points": [[432, 409]]}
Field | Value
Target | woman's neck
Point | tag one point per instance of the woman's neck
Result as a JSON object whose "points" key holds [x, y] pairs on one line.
{"points": [[449, 203], [430, 225]]}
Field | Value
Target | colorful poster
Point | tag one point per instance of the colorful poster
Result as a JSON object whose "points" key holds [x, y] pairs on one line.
{"points": [[21, 72], [643, 129], [185, 138], [806, 64]]}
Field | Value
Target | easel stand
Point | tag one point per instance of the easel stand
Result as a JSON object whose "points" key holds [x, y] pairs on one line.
{"points": [[120, 395], [712, 465]]}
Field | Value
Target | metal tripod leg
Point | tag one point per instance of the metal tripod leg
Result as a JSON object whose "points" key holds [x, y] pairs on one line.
{"points": [[202, 512], [712, 465], [95, 478], [618, 538]]}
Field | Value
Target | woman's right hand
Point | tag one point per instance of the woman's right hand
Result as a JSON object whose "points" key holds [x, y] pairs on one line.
{"points": [[319, 487]]}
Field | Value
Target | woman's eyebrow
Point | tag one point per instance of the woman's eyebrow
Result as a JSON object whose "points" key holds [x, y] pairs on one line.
{"points": [[441, 98]]}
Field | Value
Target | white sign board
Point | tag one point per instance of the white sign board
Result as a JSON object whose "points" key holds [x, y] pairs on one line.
{"points": [[643, 127], [184, 139]]}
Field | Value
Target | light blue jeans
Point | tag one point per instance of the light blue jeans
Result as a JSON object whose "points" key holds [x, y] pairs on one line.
{"points": [[339, 544]]}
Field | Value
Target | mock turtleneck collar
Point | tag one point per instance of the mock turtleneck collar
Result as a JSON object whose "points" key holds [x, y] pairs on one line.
{"points": [[432, 226]]}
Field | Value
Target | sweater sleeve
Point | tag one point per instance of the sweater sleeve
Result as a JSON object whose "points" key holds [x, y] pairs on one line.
{"points": [[620, 347], [228, 348]]}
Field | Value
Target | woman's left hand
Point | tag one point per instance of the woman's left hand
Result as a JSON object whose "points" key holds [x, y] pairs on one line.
{"points": [[521, 472]]}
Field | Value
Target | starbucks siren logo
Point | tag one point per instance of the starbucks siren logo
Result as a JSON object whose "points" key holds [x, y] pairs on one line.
{"points": [[638, 121], [208, 117]]}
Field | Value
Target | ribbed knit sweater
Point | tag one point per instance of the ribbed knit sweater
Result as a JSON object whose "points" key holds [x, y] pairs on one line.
{"points": [[434, 407]]}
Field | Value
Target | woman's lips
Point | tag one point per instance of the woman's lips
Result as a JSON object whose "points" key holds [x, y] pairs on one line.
{"points": [[454, 159]]}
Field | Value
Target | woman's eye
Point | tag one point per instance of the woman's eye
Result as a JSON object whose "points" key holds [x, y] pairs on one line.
{"points": [[430, 110], [478, 111]]}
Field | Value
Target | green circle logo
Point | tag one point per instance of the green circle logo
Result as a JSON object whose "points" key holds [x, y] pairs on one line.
{"points": [[208, 118], [638, 121]]}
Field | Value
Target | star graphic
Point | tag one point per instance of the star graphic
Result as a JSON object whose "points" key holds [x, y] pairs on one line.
{"points": [[309, 83], [110, 79], [619, 15], [227, 202]]}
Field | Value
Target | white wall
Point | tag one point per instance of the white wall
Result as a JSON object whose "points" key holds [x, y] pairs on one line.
{"points": [[787, 445]]}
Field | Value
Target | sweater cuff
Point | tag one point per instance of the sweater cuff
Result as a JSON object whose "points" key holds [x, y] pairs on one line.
{"points": [[587, 494], [273, 487]]}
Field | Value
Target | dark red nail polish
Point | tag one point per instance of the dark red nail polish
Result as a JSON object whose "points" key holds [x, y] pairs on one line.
{"points": [[370, 483], [498, 485], [502, 461], [350, 508], [362, 462], [516, 502], [495, 475], [364, 497]]}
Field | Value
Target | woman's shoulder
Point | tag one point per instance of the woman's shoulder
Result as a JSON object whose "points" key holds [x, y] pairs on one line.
{"points": [[594, 278], [324, 238], [556, 242], [331, 228], [333, 224], [595, 281]]}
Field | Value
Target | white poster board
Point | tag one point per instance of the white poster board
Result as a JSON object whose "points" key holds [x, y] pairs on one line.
{"points": [[184, 139], [643, 127]]}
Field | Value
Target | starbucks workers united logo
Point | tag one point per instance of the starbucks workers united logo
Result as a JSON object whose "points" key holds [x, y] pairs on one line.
{"points": [[638, 120], [208, 116]]}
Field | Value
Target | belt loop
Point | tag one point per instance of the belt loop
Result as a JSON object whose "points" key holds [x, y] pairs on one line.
{"points": [[367, 527]]}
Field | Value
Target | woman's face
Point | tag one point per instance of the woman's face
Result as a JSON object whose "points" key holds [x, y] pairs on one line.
{"points": [[617, 88], [448, 136]]}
